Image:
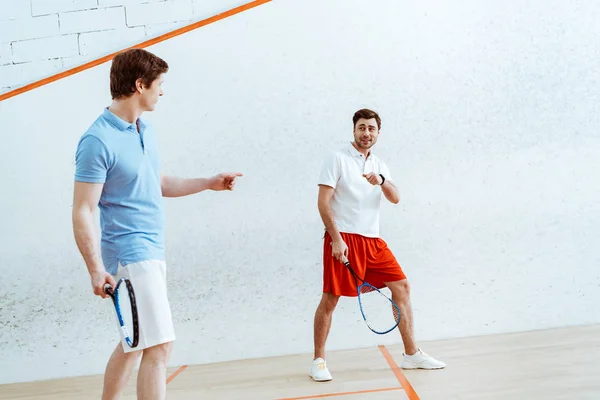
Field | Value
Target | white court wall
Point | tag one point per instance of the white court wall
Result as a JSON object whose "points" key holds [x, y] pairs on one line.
{"points": [[490, 128], [42, 37]]}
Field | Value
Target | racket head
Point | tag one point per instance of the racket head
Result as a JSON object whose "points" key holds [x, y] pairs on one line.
{"points": [[124, 300], [375, 307], [372, 303]]}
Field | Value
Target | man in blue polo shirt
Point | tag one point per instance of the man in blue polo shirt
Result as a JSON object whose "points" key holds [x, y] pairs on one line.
{"points": [[118, 170]]}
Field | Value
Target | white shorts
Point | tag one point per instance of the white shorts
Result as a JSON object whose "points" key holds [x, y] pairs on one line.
{"points": [[149, 281]]}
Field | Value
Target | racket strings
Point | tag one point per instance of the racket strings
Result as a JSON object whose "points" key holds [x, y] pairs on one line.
{"points": [[366, 289], [379, 312]]}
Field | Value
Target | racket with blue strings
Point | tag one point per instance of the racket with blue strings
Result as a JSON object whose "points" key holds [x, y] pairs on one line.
{"points": [[123, 298], [373, 305]]}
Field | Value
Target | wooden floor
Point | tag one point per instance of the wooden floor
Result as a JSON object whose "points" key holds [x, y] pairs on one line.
{"points": [[551, 364]]}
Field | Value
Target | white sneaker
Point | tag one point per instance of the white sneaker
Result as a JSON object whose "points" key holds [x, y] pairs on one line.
{"points": [[319, 371], [421, 360]]}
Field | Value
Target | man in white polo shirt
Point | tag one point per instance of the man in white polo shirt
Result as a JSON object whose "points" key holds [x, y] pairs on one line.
{"points": [[351, 184]]}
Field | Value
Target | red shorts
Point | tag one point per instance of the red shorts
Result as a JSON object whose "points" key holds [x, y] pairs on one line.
{"points": [[370, 258]]}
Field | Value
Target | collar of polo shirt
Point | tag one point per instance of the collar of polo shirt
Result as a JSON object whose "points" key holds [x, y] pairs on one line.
{"points": [[355, 153], [121, 124]]}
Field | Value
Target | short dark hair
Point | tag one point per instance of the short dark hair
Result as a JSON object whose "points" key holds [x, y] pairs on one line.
{"points": [[131, 65], [366, 114]]}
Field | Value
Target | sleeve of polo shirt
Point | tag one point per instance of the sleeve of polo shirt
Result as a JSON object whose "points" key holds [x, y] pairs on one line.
{"points": [[330, 170], [91, 160]]}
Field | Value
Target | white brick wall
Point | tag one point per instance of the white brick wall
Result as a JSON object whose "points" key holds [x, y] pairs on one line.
{"points": [[43, 7], [108, 3], [29, 28], [46, 48], [13, 75], [208, 8], [96, 43], [92, 20], [5, 53], [11, 9], [161, 12], [41, 37]]}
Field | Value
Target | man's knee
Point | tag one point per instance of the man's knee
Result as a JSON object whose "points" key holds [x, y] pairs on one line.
{"points": [[159, 353], [328, 302], [133, 355], [399, 288]]}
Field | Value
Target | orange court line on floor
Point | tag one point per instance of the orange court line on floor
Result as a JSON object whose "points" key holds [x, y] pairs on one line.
{"points": [[404, 383], [410, 392], [174, 374], [318, 396], [147, 43]]}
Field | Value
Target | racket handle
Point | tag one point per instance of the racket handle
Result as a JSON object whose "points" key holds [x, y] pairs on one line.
{"points": [[108, 289]]}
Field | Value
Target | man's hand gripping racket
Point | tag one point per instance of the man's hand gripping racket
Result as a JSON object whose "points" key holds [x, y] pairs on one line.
{"points": [[123, 299]]}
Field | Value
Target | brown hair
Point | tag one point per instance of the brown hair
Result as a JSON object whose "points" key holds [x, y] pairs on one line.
{"points": [[131, 65], [366, 114]]}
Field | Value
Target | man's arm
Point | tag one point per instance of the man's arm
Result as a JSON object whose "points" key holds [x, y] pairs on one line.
{"points": [[173, 186], [339, 247], [390, 191], [85, 200]]}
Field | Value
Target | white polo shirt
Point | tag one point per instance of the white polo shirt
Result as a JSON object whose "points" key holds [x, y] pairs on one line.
{"points": [[355, 203]]}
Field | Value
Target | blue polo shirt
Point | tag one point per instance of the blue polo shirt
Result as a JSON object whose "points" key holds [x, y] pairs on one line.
{"points": [[126, 161]]}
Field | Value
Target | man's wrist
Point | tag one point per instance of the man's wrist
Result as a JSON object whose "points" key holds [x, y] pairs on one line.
{"points": [[213, 182], [96, 268], [382, 179]]}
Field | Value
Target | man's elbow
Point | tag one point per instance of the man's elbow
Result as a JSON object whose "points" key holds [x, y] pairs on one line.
{"points": [[79, 216], [320, 206], [394, 199], [168, 187], [81, 211], [323, 203]]}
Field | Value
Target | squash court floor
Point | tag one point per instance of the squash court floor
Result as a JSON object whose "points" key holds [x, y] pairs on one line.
{"points": [[547, 364]]}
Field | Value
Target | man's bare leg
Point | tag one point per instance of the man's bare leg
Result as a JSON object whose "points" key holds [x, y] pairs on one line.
{"points": [[152, 376], [323, 316], [401, 296], [118, 371], [322, 323], [413, 356]]}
